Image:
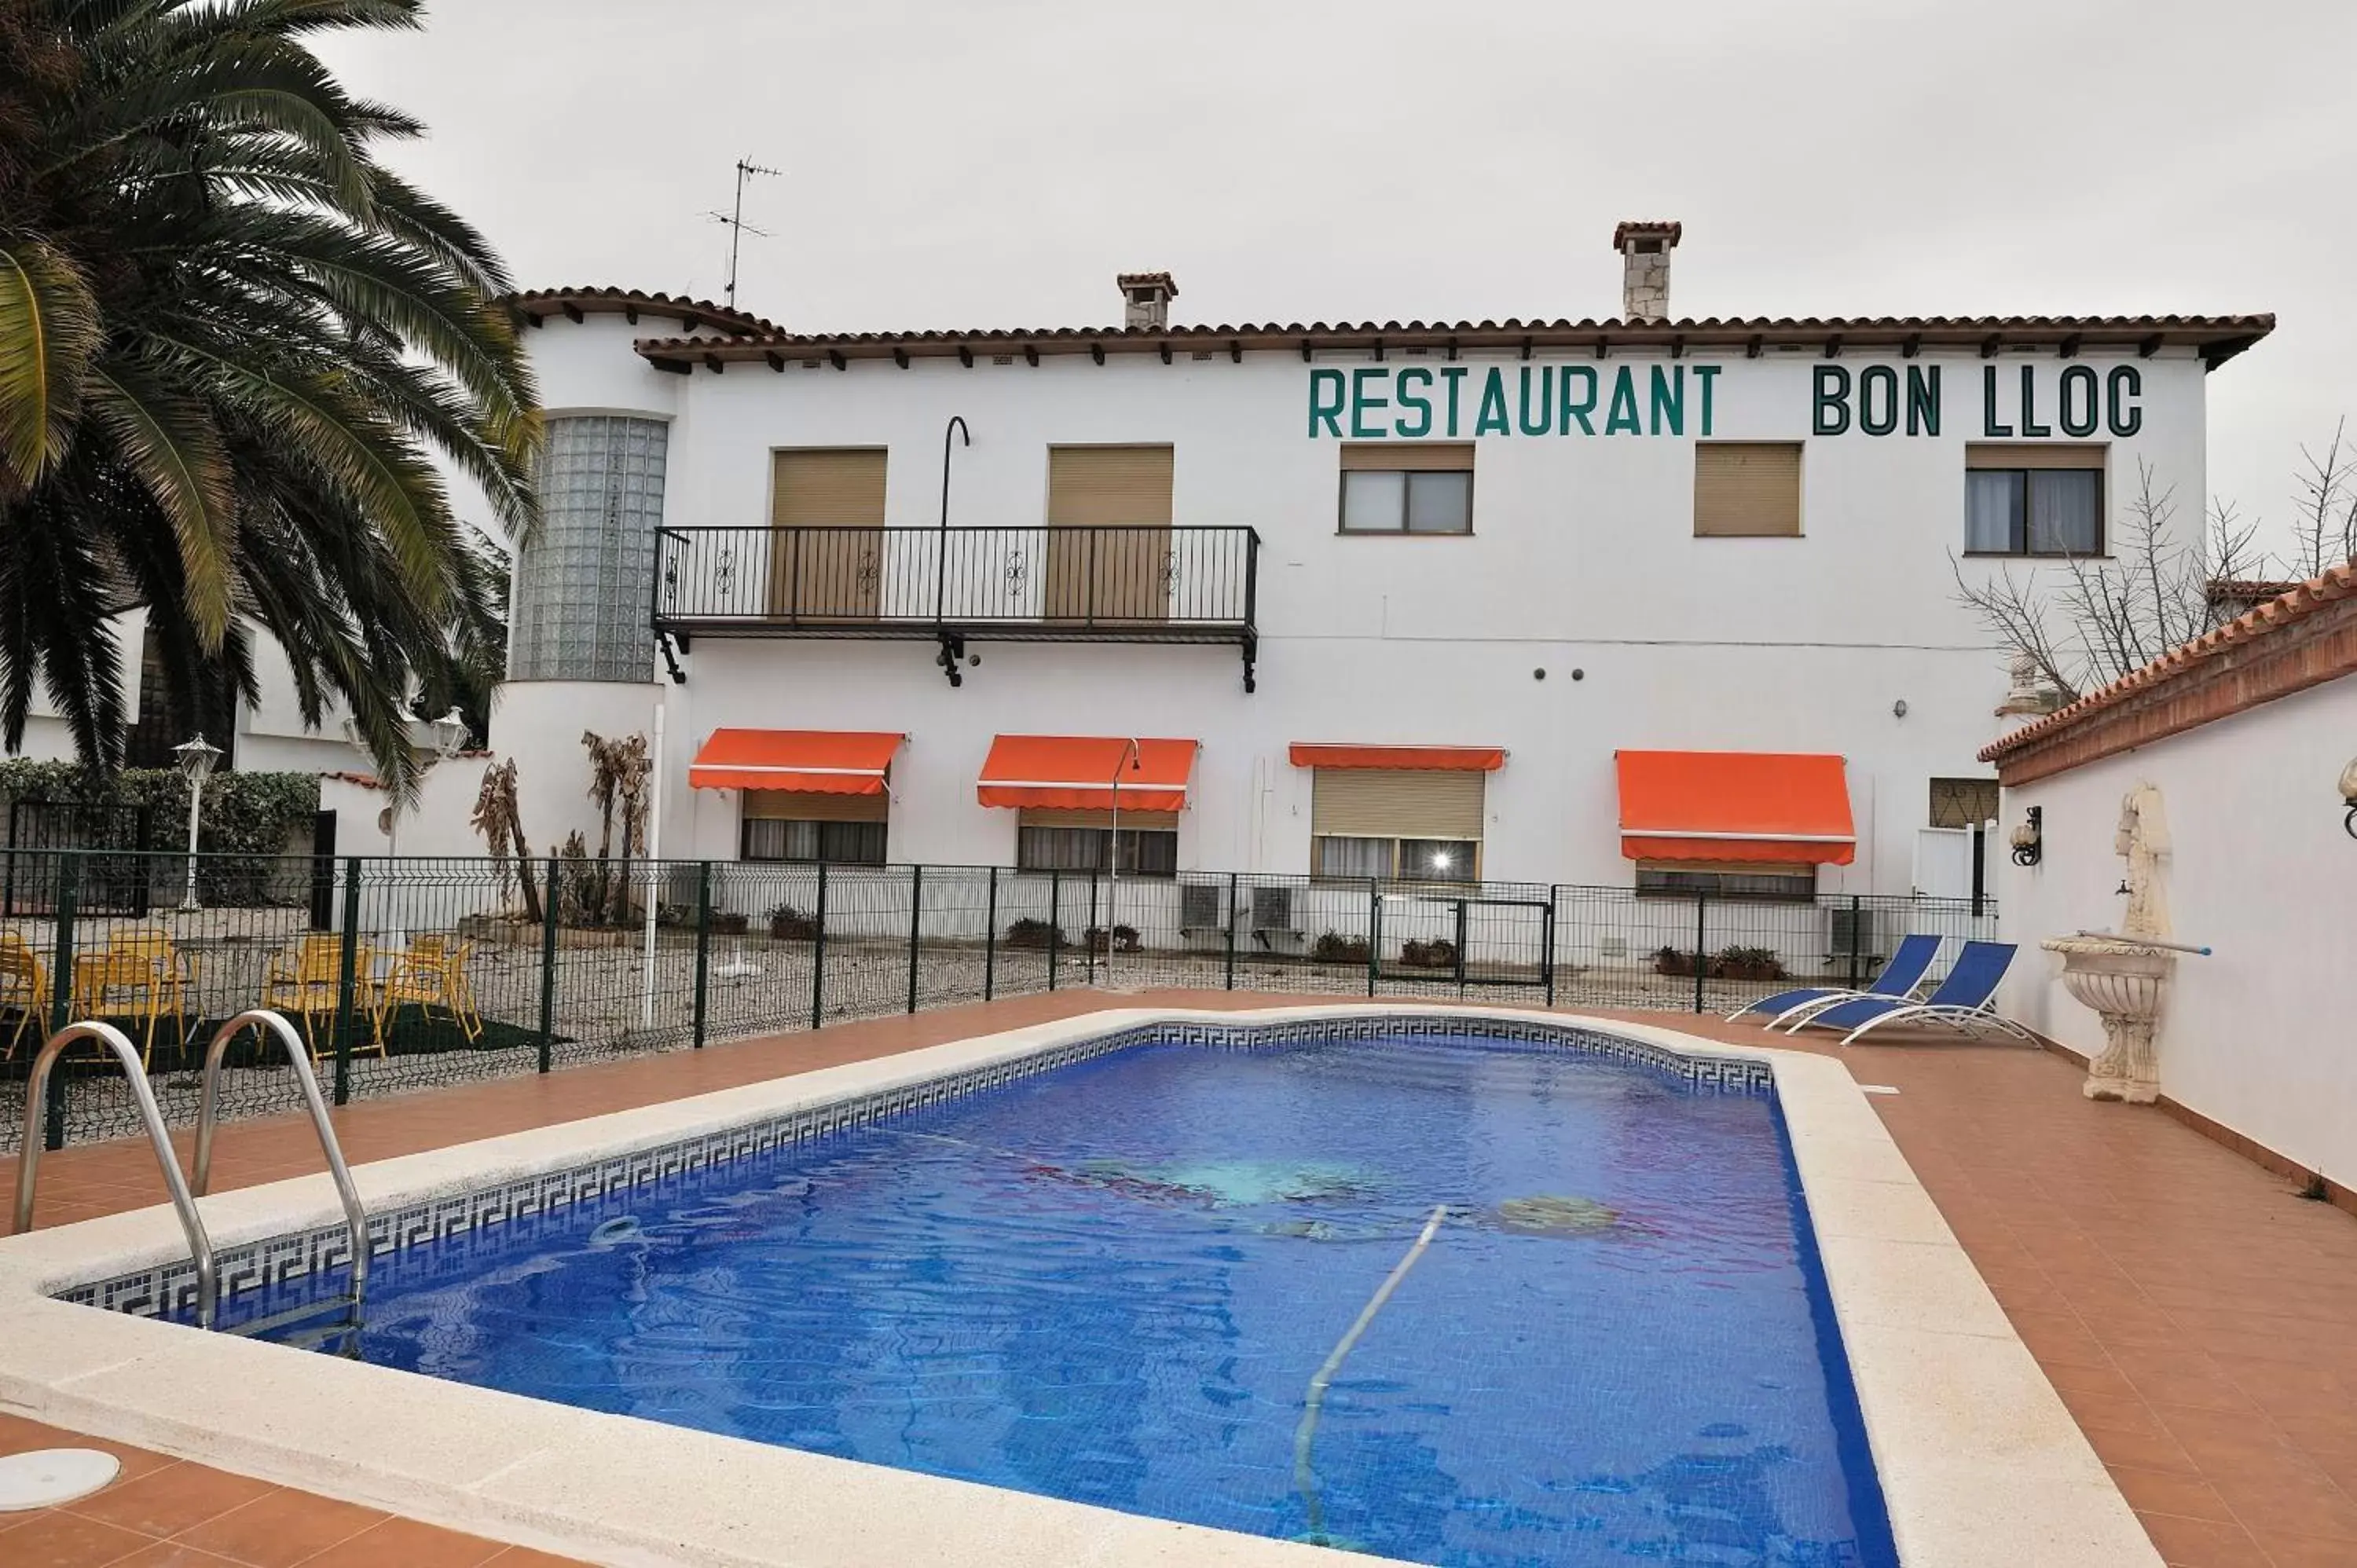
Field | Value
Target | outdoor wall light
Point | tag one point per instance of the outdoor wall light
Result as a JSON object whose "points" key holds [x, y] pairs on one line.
{"points": [[2348, 798], [2030, 839]]}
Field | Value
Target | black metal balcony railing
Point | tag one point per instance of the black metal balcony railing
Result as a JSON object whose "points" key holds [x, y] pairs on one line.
{"points": [[1126, 583]]}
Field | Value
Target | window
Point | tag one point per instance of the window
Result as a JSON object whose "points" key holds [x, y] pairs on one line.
{"points": [[1760, 884], [585, 577], [1422, 824], [1145, 852], [1409, 487], [1746, 489], [2033, 500], [837, 843], [1343, 856], [1961, 802]]}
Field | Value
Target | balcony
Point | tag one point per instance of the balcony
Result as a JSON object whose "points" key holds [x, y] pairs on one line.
{"points": [[1115, 584]]}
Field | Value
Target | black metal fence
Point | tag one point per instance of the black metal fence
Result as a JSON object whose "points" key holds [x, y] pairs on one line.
{"points": [[408, 973]]}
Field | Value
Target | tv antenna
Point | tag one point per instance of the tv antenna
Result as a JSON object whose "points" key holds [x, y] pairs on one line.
{"points": [[734, 220]]}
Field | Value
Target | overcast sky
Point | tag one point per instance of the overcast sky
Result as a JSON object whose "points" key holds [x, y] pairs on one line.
{"points": [[994, 163]]}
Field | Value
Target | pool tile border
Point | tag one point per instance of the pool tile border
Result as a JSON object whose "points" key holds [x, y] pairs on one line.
{"points": [[169, 1288], [1982, 1465]]}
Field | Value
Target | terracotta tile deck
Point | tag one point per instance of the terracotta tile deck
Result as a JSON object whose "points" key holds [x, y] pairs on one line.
{"points": [[2197, 1316]]}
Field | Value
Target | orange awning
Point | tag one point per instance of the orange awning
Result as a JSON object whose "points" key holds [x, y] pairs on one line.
{"points": [[812, 761], [1075, 772], [1764, 807], [1438, 758]]}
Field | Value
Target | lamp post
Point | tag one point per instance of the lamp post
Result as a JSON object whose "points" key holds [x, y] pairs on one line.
{"points": [[449, 734], [195, 759], [956, 427], [1130, 759]]}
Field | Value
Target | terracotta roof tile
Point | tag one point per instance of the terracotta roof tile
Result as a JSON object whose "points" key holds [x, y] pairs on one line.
{"points": [[1667, 228], [2216, 338], [590, 300], [2276, 616], [1144, 280]]}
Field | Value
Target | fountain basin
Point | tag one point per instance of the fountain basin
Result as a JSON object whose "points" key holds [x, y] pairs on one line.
{"points": [[2121, 979]]}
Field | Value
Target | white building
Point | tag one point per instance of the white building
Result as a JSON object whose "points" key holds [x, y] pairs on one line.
{"points": [[1375, 598]]}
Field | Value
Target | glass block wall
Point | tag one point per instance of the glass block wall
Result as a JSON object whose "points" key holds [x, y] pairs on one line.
{"points": [[583, 583]]}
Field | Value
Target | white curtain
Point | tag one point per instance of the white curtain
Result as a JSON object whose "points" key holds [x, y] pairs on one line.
{"points": [[1993, 510], [2065, 511]]}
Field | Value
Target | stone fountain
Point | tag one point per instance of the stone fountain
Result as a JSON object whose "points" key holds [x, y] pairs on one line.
{"points": [[2122, 977]]}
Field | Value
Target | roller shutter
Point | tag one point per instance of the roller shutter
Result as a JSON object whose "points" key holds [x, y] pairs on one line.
{"points": [[809, 806], [1384, 803], [1102, 565], [1746, 488], [831, 568]]}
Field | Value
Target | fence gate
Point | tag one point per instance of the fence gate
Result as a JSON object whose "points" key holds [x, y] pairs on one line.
{"points": [[1463, 940]]}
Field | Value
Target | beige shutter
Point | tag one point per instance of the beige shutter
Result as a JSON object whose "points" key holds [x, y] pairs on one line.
{"points": [[2041, 455], [1109, 568], [1410, 456], [812, 806], [836, 574], [1374, 803], [1144, 821], [1746, 489]]}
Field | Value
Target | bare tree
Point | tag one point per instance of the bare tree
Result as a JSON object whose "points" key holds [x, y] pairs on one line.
{"points": [[2324, 495], [2085, 621]]}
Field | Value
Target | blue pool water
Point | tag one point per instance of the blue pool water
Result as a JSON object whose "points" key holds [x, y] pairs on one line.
{"points": [[1113, 1281]]}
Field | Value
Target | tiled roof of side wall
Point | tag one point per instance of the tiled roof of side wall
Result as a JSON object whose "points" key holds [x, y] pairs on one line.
{"points": [[2215, 338], [2277, 616], [585, 300]]}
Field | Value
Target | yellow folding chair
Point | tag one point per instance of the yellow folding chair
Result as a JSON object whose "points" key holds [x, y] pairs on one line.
{"points": [[23, 987], [431, 972], [312, 981]]}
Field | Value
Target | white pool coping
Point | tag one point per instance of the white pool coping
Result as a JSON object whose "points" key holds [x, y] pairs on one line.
{"points": [[1981, 1465]]}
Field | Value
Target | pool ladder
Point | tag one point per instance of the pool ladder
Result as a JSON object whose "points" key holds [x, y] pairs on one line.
{"points": [[184, 1192]]}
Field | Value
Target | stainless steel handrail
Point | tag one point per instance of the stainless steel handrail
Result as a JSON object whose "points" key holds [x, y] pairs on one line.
{"points": [[208, 1113], [28, 1158]]}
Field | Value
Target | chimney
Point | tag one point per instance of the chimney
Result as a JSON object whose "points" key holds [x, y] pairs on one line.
{"points": [[1145, 300], [1645, 268]]}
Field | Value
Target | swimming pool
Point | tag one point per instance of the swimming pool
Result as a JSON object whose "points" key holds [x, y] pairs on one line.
{"points": [[1114, 1281], [1980, 1465]]}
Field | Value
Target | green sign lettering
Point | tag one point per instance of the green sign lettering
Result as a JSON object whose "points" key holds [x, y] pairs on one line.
{"points": [[2121, 388], [1319, 408], [1831, 415], [1422, 378], [1362, 401], [1621, 420], [1492, 418], [1585, 376]]}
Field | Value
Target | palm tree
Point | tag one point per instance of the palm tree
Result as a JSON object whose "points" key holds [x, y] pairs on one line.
{"points": [[232, 345]]}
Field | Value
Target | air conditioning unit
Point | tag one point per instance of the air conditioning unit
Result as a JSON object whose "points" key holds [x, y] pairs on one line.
{"points": [[1272, 908], [1849, 930], [1199, 905]]}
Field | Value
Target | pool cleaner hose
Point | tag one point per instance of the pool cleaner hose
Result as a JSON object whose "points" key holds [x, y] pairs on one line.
{"points": [[1305, 1477]]}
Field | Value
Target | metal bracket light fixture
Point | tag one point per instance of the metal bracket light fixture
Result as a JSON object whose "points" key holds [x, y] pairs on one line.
{"points": [[2030, 839], [2348, 798]]}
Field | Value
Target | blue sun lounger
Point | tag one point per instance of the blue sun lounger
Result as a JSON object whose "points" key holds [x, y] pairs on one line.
{"points": [[1900, 977], [1961, 1003]]}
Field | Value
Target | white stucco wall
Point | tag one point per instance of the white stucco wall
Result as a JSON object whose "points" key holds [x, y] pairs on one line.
{"points": [[1583, 559], [2258, 1035]]}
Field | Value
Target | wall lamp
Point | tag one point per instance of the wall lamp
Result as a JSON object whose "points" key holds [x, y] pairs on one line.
{"points": [[2348, 798], [2030, 839]]}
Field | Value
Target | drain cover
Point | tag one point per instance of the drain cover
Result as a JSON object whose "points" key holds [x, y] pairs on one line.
{"points": [[49, 1477]]}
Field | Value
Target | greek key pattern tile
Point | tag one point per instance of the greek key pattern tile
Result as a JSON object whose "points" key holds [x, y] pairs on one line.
{"points": [[171, 1288]]}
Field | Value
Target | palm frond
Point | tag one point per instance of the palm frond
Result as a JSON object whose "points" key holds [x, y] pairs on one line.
{"points": [[50, 327], [168, 440]]}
